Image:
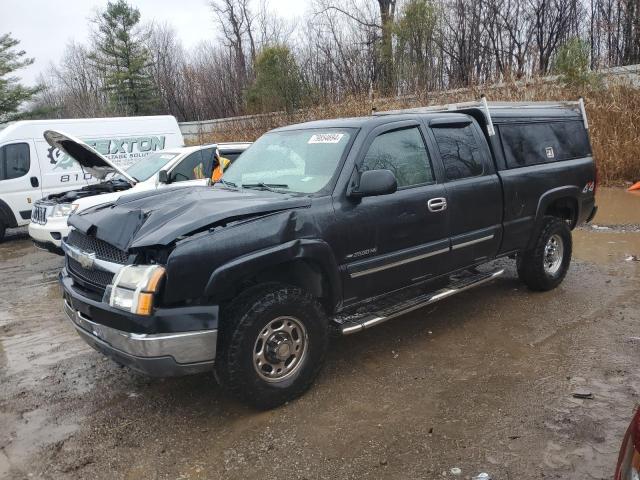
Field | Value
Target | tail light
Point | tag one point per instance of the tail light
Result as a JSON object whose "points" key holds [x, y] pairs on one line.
{"points": [[628, 467]]}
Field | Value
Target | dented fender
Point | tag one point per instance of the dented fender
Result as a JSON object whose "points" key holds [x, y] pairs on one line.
{"points": [[206, 266], [317, 252]]}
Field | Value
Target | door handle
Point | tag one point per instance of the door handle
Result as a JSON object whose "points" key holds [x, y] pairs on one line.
{"points": [[437, 204]]}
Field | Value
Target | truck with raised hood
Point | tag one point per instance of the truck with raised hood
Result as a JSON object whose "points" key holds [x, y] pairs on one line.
{"points": [[169, 168], [328, 225], [31, 169]]}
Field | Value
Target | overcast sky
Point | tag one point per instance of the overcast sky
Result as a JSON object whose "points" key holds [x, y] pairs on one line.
{"points": [[44, 27]]}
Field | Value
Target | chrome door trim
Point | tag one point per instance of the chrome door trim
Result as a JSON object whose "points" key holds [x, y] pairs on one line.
{"points": [[472, 242], [398, 263]]}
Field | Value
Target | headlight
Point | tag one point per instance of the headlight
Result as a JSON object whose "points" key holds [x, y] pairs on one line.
{"points": [[64, 209], [134, 287]]}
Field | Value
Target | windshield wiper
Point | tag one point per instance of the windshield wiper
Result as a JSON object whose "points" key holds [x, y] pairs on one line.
{"points": [[272, 187], [227, 184]]}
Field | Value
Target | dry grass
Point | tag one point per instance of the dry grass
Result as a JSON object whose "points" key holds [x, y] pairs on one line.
{"points": [[613, 112]]}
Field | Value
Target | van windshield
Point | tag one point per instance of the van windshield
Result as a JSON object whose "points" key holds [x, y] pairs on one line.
{"points": [[299, 161], [149, 165]]}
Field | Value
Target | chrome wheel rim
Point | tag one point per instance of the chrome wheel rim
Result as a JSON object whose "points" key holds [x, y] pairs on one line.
{"points": [[553, 253], [280, 349]]}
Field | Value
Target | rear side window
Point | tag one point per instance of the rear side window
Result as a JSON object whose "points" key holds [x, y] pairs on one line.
{"points": [[14, 161], [403, 152], [459, 151], [535, 143]]}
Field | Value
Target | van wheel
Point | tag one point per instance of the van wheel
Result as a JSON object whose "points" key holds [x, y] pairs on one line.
{"points": [[544, 266], [273, 341]]}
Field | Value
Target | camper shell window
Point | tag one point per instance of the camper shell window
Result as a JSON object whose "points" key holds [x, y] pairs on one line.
{"points": [[534, 143]]}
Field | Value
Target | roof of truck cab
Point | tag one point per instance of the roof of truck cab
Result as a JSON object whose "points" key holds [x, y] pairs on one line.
{"points": [[498, 115], [370, 121]]}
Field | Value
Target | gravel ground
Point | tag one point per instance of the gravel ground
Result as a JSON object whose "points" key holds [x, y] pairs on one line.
{"points": [[481, 382]]}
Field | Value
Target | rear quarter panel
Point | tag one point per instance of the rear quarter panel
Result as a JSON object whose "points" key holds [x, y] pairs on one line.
{"points": [[528, 191]]}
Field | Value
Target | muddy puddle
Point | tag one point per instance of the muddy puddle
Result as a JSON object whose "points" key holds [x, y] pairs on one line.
{"points": [[616, 206], [607, 247]]}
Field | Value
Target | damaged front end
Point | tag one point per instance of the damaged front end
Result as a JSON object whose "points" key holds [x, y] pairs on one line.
{"points": [[136, 270], [114, 303]]}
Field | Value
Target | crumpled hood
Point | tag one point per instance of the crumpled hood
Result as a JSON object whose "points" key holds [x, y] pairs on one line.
{"points": [[162, 216]]}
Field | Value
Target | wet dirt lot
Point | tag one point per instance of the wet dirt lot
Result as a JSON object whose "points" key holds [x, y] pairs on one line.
{"points": [[482, 382]]}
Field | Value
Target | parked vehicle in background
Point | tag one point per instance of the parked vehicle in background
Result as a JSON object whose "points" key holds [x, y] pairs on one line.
{"points": [[339, 224], [31, 169], [628, 467], [180, 167]]}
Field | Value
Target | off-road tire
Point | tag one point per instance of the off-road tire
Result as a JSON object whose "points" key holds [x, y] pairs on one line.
{"points": [[530, 263], [242, 322]]}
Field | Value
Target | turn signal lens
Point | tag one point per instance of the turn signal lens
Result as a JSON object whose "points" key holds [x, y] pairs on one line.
{"points": [[145, 304]]}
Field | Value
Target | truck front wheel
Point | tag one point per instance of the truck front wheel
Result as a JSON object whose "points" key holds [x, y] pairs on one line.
{"points": [[273, 340], [544, 266]]}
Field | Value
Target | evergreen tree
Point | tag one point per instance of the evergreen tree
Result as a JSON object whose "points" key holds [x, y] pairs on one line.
{"points": [[278, 84], [572, 64], [12, 94], [121, 54]]}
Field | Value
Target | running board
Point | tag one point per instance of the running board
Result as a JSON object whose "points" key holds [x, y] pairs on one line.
{"points": [[353, 325]]}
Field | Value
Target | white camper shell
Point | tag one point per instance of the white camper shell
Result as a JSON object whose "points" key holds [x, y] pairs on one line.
{"points": [[182, 167], [30, 168]]}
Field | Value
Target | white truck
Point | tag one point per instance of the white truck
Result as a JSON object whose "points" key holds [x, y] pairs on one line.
{"points": [[30, 168], [180, 167]]}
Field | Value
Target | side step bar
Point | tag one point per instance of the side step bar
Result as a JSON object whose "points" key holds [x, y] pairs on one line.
{"points": [[372, 319]]}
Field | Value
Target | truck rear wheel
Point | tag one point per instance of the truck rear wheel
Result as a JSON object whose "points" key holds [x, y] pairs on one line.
{"points": [[273, 341], [544, 266]]}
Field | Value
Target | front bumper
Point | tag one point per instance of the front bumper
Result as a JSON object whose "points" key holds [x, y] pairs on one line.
{"points": [[156, 354], [51, 233]]}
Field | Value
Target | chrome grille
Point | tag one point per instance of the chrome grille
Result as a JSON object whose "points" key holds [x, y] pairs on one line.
{"points": [[97, 280], [102, 249], [39, 214]]}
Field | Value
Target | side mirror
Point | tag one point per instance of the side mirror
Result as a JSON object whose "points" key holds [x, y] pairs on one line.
{"points": [[163, 176], [375, 182]]}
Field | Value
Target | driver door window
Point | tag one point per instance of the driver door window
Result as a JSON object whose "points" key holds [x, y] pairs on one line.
{"points": [[402, 152], [194, 167], [14, 161]]}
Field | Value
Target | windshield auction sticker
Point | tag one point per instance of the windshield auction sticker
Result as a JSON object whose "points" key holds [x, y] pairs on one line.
{"points": [[326, 138]]}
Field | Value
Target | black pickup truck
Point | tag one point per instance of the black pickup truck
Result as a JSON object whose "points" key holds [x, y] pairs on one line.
{"points": [[329, 225]]}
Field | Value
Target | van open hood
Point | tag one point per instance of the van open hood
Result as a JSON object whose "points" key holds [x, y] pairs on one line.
{"points": [[96, 164]]}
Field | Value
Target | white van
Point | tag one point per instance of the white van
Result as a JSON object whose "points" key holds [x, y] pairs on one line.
{"points": [[31, 169], [180, 167]]}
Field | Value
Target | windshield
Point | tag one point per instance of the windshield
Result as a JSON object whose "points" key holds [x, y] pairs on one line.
{"points": [[149, 165], [301, 161]]}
